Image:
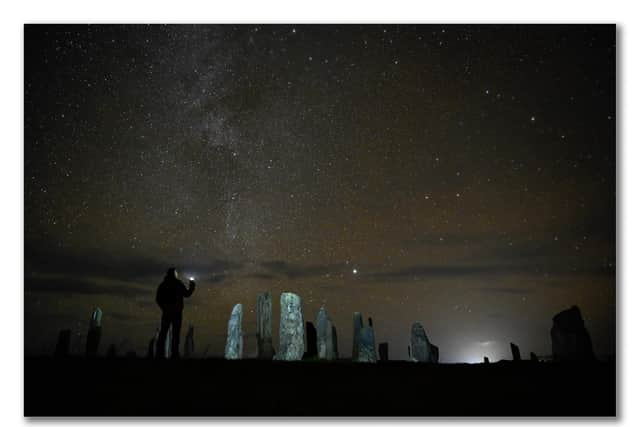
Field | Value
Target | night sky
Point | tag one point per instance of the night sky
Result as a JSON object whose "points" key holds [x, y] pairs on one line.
{"points": [[460, 176]]}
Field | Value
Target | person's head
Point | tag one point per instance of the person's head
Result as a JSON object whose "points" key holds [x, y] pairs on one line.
{"points": [[172, 273]]}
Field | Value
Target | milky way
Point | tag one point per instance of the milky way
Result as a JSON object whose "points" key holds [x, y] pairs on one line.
{"points": [[461, 176]]}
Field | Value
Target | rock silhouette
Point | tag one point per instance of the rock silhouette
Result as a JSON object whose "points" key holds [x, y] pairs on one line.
{"points": [[291, 327], [94, 334], [434, 353], [233, 348], [383, 351], [264, 329], [63, 344], [515, 352], [533, 357], [334, 342], [569, 337], [312, 341], [486, 360]]}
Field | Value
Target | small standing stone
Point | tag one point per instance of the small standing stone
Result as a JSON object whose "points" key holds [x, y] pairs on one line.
{"points": [[291, 327], [94, 334], [334, 342], [420, 346], [112, 352], [233, 349], [151, 349], [515, 352], [383, 350], [486, 360], [63, 344], [312, 341], [533, 357], [189, 344], [434, 353], [264, 330]]}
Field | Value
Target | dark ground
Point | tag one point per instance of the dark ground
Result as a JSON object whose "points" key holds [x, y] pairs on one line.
{"points": [[214, 387]]}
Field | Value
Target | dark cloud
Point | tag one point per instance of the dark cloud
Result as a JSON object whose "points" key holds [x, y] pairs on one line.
{"points": [[69, 285]]}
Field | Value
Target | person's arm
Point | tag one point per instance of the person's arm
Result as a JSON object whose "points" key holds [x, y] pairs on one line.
{"points": [[192, 287]]}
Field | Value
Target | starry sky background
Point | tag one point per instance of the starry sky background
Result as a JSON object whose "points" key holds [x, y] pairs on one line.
{"points": [[460, 176]]}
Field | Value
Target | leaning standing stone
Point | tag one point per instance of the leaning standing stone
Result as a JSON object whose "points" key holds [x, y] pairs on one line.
{"points": [[264, 331], [515, 352], [291, 327], [233, 349]]}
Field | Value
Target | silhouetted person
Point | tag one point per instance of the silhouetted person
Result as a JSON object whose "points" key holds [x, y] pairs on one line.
{"points": [[169, 297]]}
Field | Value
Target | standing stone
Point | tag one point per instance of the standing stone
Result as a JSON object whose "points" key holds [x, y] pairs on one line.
{"points": [[383, 350], [515, 352], [434, 353], [420, 346], [486, 360], [533, 357], [94, 334], [264, 330], [189, 343], [167, 343], [312, 341], [334, 342], [291, 327], [367, 345], [357, 325], [570, 340], [326, 347], [63, 344], [233, 349]]}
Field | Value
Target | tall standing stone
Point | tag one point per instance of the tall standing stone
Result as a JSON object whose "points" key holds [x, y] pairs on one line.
{"points": [[367, 346], [420, 345], [570, 340], [94, 334], [264, 330], [291, 327], [233, 349], [325, 335], [312, 341], [357, 325], [515, 352], [189, 343], [383, 351]]}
